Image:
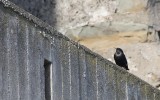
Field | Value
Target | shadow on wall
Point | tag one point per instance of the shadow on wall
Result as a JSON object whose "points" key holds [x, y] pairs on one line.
{"points": [[43, 9]]}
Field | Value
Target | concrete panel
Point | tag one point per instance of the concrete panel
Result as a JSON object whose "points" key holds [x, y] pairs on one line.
{"points": [[43, 46], [157, 95], [83, 72], [23, 60], [38, 63], [57, 71], [111, 84], [66, 70], [132, 88], [91, 77], [142, 91], [149, 92], [3, 53], [46, 47], [13, 68], [121, 85], [33, 68], [2, 58], [102, 80], [74, 72]]}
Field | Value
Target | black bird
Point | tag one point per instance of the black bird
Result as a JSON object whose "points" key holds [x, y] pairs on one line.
{"points": [[120, 58]]}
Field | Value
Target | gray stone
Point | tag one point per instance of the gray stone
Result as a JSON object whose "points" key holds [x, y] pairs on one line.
{"points": [[71, 17], [105, 28]]}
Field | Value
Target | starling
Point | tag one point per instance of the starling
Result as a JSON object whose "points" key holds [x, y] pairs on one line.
{"points": [[120, 58]]}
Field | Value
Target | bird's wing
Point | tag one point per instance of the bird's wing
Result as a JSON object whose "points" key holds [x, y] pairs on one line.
{"points": [[125, 60], [115, 58], [126, 63]]}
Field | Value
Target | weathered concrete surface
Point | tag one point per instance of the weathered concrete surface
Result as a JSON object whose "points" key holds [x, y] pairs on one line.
{"points": [[76, 72]]}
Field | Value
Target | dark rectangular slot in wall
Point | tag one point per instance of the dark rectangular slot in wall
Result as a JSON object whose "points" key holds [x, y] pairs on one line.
{"points": [[158, 34], [47, 73]]}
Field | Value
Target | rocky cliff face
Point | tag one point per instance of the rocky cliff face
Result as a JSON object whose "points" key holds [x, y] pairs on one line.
{"points": [[80, 19]]}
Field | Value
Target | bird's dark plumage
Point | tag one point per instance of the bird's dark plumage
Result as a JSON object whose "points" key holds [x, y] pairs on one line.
{"points": [[120, 58]]}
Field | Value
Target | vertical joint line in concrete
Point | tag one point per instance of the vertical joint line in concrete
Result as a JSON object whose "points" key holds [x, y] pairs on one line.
{"points": [[154, 95], [27, 57], [17, 55], [69, 55], [116, 83], [8, 52], [51, 79], [97, 78], [61, 54], [126, 87], [84, 74], [51, 76], [146, 92], [79, 81]]}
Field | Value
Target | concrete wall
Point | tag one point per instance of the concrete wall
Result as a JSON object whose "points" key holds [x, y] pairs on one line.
{"points": [[76, 72]]}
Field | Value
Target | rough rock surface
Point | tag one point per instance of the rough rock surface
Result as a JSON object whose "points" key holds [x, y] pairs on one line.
{"points": [[97, 17], [74, 15]]}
